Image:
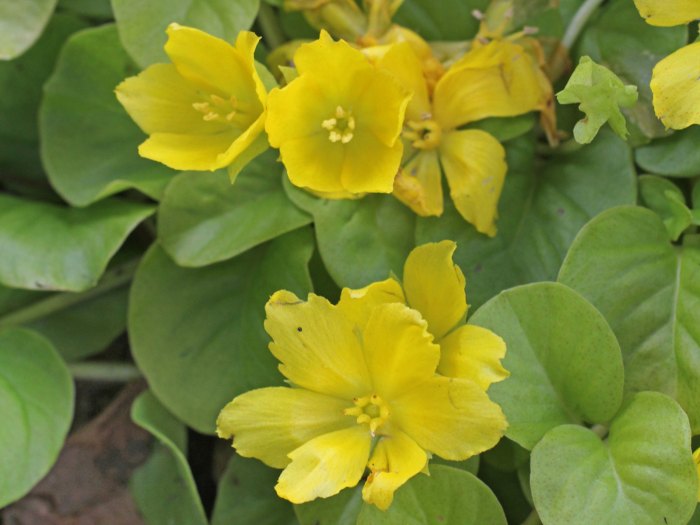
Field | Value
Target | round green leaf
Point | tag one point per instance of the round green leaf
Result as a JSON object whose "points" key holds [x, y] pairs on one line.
{"points": [[163, 488], [621, 40], [246, 496], [21, 82], [36, 403], [197, 334], [675, 156], [21, 25], [564, 361], [88, 142], [142, 23], [204, 219], [541, 210], [444, 20], [642, 474], [649, 291], [49, 247]]}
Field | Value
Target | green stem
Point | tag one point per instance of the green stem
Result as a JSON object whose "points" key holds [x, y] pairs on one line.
{"points": [[532, 519], [111, 280], [104, 371], [270, 26], [578, 21]]}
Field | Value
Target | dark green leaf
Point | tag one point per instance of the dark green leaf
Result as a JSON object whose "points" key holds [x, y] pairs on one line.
{"points": [[444, 20]]}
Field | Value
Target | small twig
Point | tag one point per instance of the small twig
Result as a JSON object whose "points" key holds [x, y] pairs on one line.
{"points": [[579, 21], [104, 371]]}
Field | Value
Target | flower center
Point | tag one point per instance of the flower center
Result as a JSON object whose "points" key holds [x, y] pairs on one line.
{"points": [[423, 134], [341, 126], [218, 109], [370, 409]]}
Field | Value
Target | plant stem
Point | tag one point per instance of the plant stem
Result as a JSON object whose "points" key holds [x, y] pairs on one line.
{"points": [[270, 26], [532, 519], [111, 280], [578, 21], [104, 371]]}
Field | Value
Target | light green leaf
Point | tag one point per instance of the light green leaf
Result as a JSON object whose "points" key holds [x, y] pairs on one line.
{"points": [[246, 496], [445, 20], [21, 82], [204, 219], [674, 156], [360, 241], [197, 334], [163, 488], [541, 210], [600, 95], [448, 495], [642, 474], [36, 403], [142, 24], [21, 25], [649, 291], [77, 331], [619, 39], [564, 361], [50, 247], [667, 200], [89, 143]]}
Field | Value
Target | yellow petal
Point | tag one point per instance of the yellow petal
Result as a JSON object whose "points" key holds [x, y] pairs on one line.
{"points": [[475, 167], [496, 80], [419, 184], [245, 148], [325, 465], [399, 350], [475, 353], [401, 60], [269, 423], [370, 166], [160, 100], [453, 418], [357, 305], [212, 63], [395, 460], [314, 163], [317, 346], [696, 457], [188, 152], [434, 286], [668, 12], [676, 88]]}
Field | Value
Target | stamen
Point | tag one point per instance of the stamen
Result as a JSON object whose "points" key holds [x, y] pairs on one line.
{"points": [[369, 410], [341, 126]]}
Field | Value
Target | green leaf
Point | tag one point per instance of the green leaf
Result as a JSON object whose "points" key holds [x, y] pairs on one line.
{"points": [[163, 488], [21, 25], [648, 290], [361, 240], [444, 20], [142, 24], [50, 247], [204, 219], [620, 39], [36, 403], [447, 496], [564, 361], [643, 473], [101, 9], [600, 95], [541, 210], [89, 143], [674, 156], [80, 330], [197, 334], [21, 82], [246, 496], [667, 200]]}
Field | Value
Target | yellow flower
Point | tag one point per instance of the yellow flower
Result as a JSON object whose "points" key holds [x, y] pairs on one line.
{"points": [[696, 457], [498, 79], [337, 124], [364, 394], [674, 81], [206, 110], [434, 285]]}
